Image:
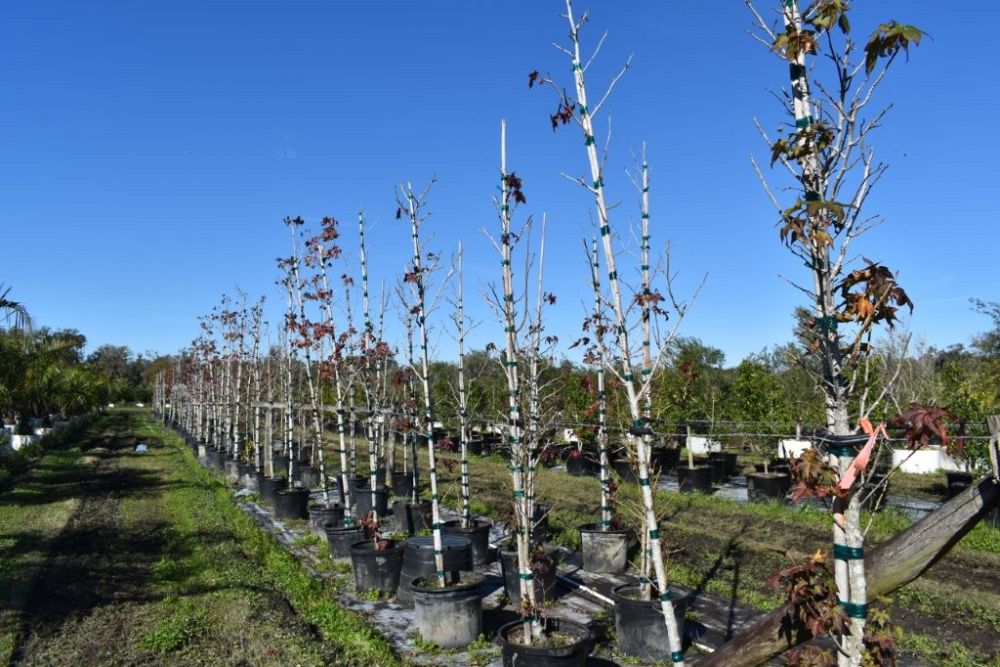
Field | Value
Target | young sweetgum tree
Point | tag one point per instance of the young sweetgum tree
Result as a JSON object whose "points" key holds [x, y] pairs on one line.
{"points": [[633, 351], [411, 207], [522, 360], [827, 160]]}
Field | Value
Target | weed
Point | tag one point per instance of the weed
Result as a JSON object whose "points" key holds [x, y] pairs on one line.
{"points": [[181, 625], [373, 595], [342, 567], [426, 647], [306, 541]]}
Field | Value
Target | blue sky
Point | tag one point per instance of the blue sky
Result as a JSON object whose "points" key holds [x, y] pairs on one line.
{"points": [[149, 151]]}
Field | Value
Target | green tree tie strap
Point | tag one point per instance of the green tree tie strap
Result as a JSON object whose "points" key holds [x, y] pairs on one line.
{"points": [[525, 577], [854, 609], [677, 656], [844, 552], [828, 323], [643, 481], [842, 452], [666, 597], [654, 534]]}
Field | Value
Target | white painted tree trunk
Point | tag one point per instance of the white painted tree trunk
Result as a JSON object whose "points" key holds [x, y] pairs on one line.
{"points": [[636, 443], [413, 212]]}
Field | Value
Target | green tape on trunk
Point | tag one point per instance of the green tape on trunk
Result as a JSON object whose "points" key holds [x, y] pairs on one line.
{"points": [[525, 577], [677, 656], [854, 609], [654, 534], [844, 552], [842, 452], [666, 597]]}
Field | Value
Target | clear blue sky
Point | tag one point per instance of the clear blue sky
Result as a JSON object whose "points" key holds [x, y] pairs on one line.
{"points": [[149, 151]]}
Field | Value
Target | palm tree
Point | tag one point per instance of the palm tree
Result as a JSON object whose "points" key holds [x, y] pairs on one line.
{"points": [[13, 314]]}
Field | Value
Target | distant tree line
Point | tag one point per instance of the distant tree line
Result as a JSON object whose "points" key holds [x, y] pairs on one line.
{"points": [[45, 371]]}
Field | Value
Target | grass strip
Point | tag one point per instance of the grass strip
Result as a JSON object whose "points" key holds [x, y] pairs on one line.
{"points": [[354, 638]]}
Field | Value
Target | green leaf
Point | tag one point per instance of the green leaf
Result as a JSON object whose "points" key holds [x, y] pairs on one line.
{"points": [[845, 25], [887, 40]]}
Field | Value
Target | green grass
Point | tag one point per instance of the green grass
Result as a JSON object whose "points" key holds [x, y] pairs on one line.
{"points": [[945, 653], [354, 639], [23, 534], [208, 588]]}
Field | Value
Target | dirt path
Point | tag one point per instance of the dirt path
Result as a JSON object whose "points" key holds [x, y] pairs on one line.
{"points": [[143, 573]]}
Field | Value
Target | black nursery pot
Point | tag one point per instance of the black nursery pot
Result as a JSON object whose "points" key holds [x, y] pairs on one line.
{"points": [[322, 515], [478, 534], [545, 582], [639, 623], [247, 475], [475, 447], [718, 471], [308, 476], [269, 487], [542, 654], [340, 539], [412, 518], [624, 469], [402, 484], [540, 523], [280, 465], [764, 487], [291, 503], [418, 561], [603, 551], [363, 501], [666, 458], [215, 458], [376, 569], [578, 465], [450, 617], [697, 479], [728, 459], [775, 465]]}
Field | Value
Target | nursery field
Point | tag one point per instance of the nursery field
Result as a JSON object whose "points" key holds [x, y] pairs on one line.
{"points": [[108, 556], [726, 549]]}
